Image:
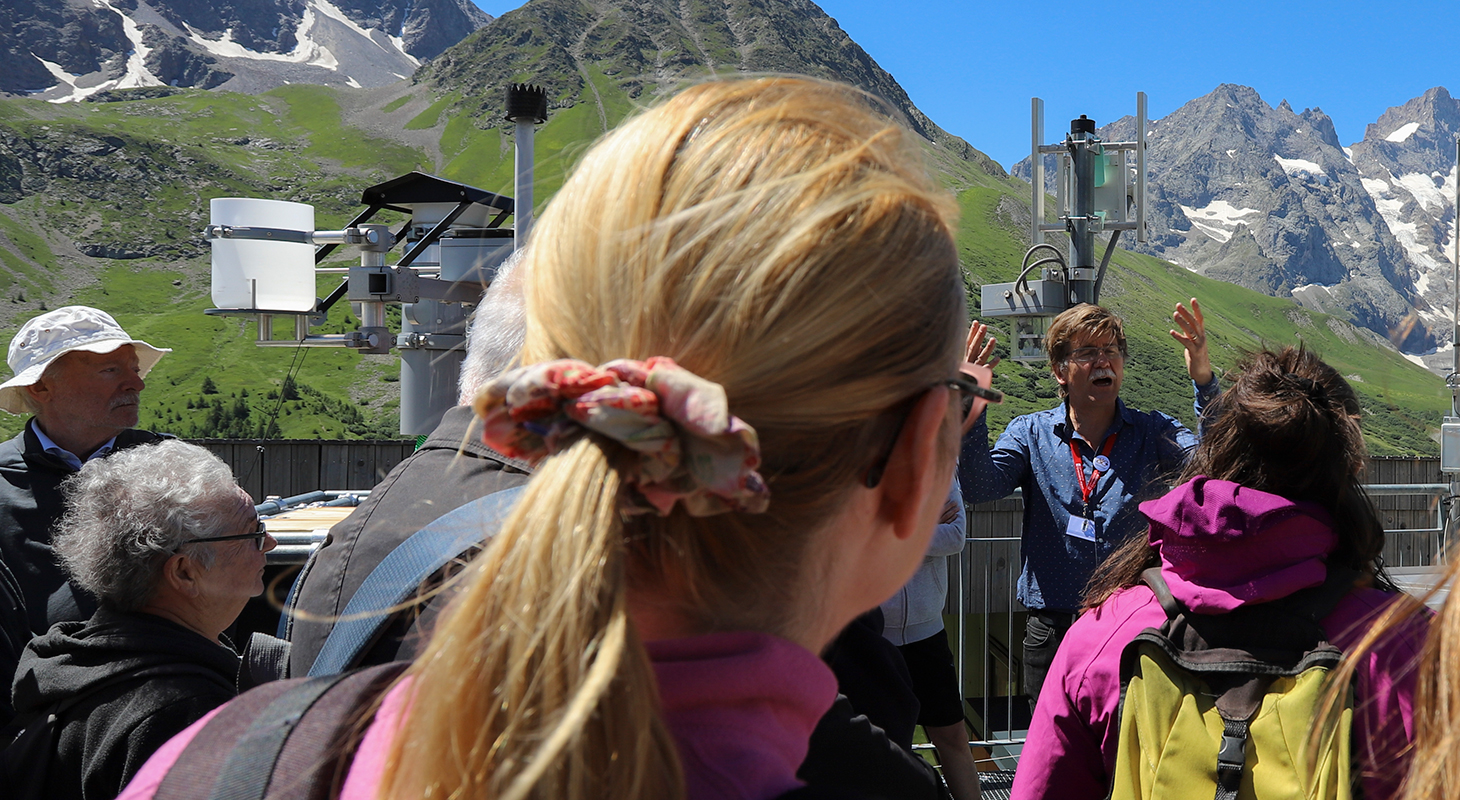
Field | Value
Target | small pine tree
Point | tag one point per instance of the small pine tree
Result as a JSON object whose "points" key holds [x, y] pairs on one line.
{"points": [[209, 387]]}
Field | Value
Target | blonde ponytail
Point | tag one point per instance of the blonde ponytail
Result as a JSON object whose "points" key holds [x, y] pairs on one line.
{"points": [[534, 685]]}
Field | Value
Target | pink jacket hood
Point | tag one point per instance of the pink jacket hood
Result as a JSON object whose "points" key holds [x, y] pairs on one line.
{"points": [[1224, 545]]}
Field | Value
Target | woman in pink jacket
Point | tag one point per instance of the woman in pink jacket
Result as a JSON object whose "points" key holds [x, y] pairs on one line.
{"points": [[1268, 500]]}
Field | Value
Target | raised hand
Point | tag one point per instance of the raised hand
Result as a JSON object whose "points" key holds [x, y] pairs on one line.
{"points": [[977, 350], [1193, 337]]}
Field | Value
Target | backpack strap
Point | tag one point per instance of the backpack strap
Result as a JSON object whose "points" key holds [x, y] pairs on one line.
{"points": [[289, 739], [1231, 758], [1154, 579], [265, 658], [401, 573]]}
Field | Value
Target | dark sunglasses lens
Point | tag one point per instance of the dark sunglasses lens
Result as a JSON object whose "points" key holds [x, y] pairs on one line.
{"points": [[968, 403]]}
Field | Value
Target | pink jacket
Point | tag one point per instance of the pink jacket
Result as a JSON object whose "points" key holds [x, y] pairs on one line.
{"points": [[741, 707], [1222, 546]]}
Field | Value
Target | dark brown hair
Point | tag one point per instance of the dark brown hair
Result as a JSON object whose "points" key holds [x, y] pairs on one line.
{"points": [[1289, 425]]}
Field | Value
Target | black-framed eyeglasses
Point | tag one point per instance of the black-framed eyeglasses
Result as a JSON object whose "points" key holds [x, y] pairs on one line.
{"points": [[1089, 355], [257, 536], [973, 397]]}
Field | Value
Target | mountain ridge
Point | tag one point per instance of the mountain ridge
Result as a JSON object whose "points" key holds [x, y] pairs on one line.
{"points": [[76, 48]]}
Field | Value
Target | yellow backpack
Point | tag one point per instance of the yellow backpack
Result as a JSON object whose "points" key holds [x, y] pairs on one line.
{"points": [[1225, 705]]}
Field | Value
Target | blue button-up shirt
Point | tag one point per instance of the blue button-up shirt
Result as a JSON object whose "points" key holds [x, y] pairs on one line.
{"points": [[1034, 454]]}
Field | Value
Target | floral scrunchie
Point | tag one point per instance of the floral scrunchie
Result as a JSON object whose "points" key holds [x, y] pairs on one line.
{"points": [[691, 449]]}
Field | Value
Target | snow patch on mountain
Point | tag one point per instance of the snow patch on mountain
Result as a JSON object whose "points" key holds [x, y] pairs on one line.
{"points": [[1302, 168], [1219, 219], [398, 45], [135, 76], [306, 50], [1402, 132], [1432, 191]]}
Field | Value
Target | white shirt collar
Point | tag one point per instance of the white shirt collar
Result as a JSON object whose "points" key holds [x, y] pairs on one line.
{"points": [[65, 455]]}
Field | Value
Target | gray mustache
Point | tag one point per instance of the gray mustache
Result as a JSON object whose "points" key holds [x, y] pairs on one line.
{"points": [[128, 399]]}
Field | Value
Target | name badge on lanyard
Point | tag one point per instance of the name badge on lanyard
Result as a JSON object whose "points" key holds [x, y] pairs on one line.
{"points": [[1083, 527]]}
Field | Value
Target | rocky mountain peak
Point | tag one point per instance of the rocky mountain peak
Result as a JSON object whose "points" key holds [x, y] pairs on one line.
{"points": [[1321, 125], [647, 48], [75, 49], [1267, 198]]}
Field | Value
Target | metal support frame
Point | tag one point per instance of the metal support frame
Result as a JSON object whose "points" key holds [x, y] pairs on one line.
{"points": [[1093, 194], [455, 244]]}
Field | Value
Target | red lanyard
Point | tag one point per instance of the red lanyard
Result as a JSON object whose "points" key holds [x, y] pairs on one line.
{"points": [[1087, 488]]}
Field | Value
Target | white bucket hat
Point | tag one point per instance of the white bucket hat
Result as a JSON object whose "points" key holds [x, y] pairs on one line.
{"points": [[56, 333]]}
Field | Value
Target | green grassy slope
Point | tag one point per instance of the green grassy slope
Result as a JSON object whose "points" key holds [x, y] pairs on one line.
{"points": [[144, 191]]}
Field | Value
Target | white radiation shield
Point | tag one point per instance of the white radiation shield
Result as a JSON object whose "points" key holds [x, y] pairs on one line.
{"points": [[259, 274]]}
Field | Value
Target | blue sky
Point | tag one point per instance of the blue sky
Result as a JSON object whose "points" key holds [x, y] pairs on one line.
{"points": [[972, 65]]}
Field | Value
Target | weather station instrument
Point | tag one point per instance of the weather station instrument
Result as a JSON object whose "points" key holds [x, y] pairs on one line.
{"points": [[1099, 187], [266, 256]]}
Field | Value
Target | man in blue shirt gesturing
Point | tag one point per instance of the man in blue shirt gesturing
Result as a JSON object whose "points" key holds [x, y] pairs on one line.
{"points": [[1083, 465]]}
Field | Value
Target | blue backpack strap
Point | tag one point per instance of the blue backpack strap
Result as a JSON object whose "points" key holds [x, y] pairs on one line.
{"points": [[400, 574]]}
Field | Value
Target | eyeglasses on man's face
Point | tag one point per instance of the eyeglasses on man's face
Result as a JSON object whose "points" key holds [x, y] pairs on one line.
{"points": [[1089, 355], [258, 536]]}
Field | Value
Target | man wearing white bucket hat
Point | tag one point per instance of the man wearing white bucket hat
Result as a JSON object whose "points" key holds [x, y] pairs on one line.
{"points": [[80, 377]]}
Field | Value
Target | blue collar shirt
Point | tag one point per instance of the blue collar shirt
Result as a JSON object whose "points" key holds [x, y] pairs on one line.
{"points": [[1034, 454], [70, 459]]}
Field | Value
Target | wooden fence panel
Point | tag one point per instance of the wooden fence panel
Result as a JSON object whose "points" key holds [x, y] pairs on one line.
{"points": [[288, 467]]}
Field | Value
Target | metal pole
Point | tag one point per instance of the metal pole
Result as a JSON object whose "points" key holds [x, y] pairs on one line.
{"points": [[1036, 164], [526, 106], [522, 199], [1454, 378], [1082, 235], [1140, 166]]}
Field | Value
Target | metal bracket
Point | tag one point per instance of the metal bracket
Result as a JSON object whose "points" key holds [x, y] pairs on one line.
{"points": [[430, 341], [262, 234], [396, 284]]}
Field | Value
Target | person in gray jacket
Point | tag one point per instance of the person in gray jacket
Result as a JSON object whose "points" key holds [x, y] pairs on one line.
{"points": [[913, 620]]}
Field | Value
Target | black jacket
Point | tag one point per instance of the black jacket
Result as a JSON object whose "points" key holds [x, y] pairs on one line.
{"points": [[435, 480], [148, 678], [30, 504]]}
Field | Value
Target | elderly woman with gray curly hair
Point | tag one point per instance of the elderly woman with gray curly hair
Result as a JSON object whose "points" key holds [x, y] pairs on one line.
{"points": [[172, 549]]}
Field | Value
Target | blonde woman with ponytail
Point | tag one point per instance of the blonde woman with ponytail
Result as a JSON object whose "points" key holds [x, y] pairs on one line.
{"points": [[741, 391], [641, 630]]}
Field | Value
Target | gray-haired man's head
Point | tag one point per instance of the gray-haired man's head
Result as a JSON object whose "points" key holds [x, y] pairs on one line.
{"points": [[497, 330]]}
